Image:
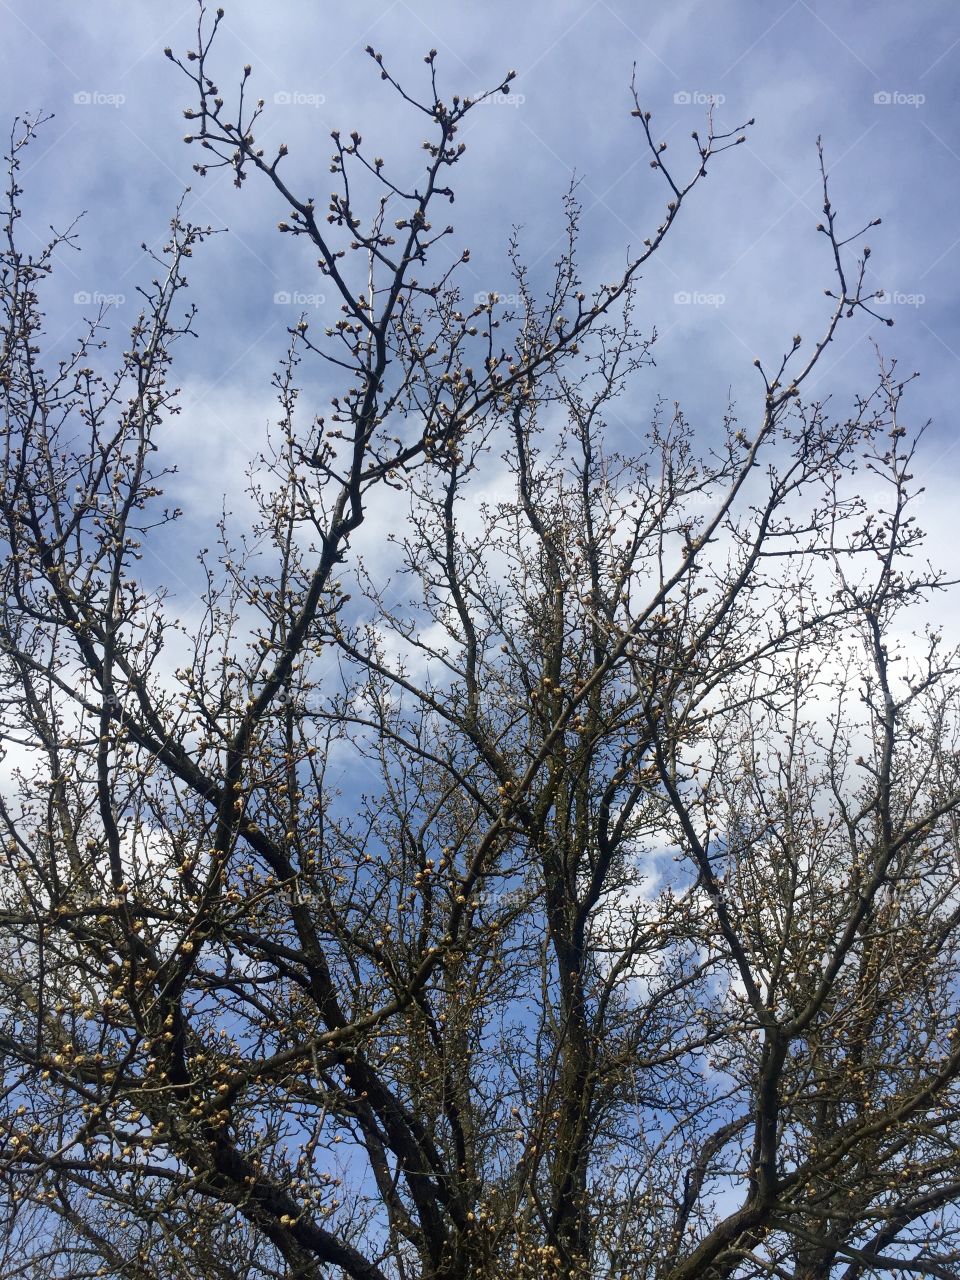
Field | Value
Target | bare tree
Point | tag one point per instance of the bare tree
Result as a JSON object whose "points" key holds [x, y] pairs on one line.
{"points": [[577, 897]]}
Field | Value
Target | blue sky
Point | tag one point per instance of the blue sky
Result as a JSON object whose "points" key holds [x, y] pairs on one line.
{"points": [[878, 81], [742, 272]]}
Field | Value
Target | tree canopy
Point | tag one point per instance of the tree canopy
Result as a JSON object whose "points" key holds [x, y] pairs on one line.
{"points": [[573, 893]]}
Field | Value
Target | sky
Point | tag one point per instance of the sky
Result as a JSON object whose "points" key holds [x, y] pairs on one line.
{"points": [[743, 270]]}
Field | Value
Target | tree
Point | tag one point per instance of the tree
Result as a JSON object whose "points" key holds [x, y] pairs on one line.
{"points": [[579, 900]]}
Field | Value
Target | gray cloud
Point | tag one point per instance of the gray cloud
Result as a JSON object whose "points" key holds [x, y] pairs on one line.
{"points": [[743, 271]]}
